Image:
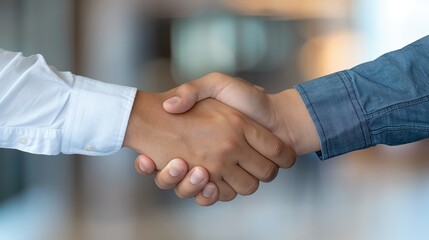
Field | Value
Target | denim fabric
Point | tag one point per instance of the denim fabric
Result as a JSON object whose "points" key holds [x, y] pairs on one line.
{"points": [[385, 101]]}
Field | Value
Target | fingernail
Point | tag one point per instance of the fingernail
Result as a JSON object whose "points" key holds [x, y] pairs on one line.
{"points": [[196, 177], [143, 167], [208, 191], [172, 101], [259, 87], [173, 169]]}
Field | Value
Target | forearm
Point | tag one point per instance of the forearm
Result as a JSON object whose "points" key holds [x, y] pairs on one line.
{"points": [[380, 102], [45, 111], [295, 125]]}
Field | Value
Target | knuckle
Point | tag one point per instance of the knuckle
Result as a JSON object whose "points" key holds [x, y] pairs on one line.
{"points": [[290, 159], [161, 184], [204, 201], [284, 155], [278, 149], [180, 194], [216, 75], [187, 88], [236, 119], [227, 196], [251, 187], [270, 173], [228, 146]]}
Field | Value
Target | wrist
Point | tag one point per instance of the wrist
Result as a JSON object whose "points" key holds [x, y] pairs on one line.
{"points": [[293, 123], [149, 126], [134, 124]]}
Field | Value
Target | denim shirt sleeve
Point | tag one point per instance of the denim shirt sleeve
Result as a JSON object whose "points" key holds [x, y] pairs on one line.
{"points": [[385, 101]]}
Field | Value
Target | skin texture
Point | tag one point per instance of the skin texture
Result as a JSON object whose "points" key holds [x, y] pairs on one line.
{"points": [[283, 113], [236, 152]]}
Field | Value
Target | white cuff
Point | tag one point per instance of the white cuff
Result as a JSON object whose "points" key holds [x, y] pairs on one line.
{"points": [[97, 118]]}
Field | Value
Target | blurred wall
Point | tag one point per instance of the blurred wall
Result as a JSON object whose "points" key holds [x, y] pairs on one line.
{"points": [[379, 193], [41, 205]]}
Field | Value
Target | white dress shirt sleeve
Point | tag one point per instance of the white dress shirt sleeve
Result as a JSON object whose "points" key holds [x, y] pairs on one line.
{"points": [[44, 111]]}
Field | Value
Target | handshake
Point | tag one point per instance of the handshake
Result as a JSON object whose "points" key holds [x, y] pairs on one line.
{"points": [[229, 133]]}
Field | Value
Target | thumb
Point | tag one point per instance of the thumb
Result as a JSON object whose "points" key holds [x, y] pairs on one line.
{"points": [[190, 93], [144, 165], [182, 102]]}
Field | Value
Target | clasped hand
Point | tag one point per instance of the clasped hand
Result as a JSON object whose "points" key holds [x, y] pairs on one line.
{"points": [[231, 139]]}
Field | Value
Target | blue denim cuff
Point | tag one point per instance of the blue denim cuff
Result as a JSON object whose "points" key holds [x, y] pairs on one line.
{"points": [[336, 113]]}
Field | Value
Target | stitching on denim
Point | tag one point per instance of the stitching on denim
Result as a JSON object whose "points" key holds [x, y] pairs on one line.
{"points": [[354, 92], [318, 119], [393, 129], [398, 128], [354, 107], [397, 106]]}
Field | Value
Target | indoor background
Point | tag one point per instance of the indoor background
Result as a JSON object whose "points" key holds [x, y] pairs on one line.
{"points": [[379, 193]]}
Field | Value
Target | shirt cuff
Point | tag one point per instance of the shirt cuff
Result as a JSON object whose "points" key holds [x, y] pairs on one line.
{"points": [[336, 113], [97, 118]]}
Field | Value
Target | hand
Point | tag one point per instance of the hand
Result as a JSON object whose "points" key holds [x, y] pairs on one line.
{"points": [[237, 152], [283, 113], [176, 175]]}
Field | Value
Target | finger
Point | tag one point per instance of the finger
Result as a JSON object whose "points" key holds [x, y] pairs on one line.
{"points": [[193, 183], [144, 165], [241, 181], [172, 174], [188, 94], [268, 145], [226, 192], [259, 166], [235, 92], [208, 196]]}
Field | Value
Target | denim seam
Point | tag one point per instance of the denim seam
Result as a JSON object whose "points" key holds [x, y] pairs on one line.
{"points": [[391, 108], [361, 117], [390, 129], [318, 119], [398, 128]]}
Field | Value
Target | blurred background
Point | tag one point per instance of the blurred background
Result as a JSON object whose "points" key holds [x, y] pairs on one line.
{"points": [[379, 193]]}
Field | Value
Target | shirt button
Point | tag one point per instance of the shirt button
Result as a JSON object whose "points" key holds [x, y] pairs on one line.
{"points": [[23, 140], [89, 147]]}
